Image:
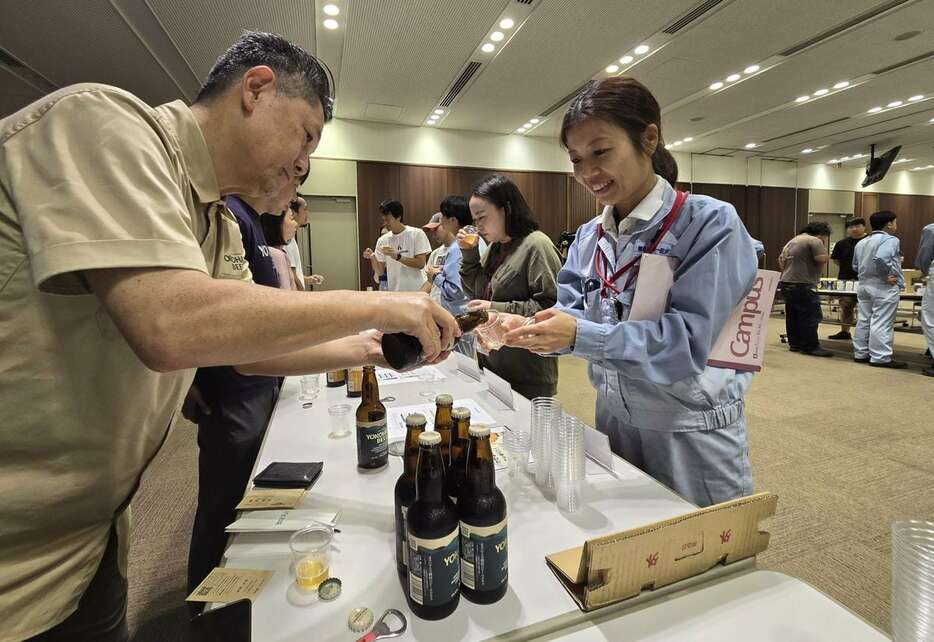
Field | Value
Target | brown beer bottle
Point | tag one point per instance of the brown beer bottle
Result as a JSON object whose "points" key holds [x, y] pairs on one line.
{"points": [[459, 441], [433, 536], [372, 434], [404, 351], [444, 424], [354, 382], [481, 508], [405, 489], [336, 378]]}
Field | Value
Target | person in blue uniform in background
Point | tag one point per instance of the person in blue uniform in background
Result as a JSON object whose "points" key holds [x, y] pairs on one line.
{"points": [[924, 260], [877, 260], [664, 409]]}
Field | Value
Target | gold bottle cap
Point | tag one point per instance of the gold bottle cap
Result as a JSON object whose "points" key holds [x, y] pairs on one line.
{"points": [[444, 400], [479, 431], [429, 439], [360, 620], [460, 413], [415, 419]]}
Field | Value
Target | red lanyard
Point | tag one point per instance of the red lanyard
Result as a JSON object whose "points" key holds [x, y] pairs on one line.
{"points": [[609, 282]]}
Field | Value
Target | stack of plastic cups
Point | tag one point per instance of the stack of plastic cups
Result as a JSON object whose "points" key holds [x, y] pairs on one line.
{"points": [[518, 444], [546, 415], [912, 581], [568, 462]]}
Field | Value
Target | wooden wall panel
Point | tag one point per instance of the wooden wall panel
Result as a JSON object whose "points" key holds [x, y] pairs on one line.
{"points": [[582, 205], [776, 213], [375, 182], [913, 211]]}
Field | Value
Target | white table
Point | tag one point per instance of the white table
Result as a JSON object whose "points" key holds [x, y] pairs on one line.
{"points": [[756, 605], [365, 555], [535, 605]]}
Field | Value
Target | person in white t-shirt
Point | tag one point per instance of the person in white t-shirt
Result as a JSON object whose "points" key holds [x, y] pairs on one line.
{"points": [[302, 282], [402, 252]]}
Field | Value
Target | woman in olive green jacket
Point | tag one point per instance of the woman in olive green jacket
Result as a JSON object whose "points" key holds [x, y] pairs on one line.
{"points": [[516, 275]]}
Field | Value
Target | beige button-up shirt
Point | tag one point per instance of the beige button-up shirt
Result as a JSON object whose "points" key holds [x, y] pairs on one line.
{"points": [[90, 177]]}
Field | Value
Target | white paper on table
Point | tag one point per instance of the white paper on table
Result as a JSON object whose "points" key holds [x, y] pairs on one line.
{"points": [[468, 366], [500, 389], [597, 447], [387, 377], [268, 521], [500, 456], [395, 416]]}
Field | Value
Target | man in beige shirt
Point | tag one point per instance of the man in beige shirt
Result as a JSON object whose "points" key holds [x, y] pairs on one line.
{"points": [[121, 272], [802, 261]]}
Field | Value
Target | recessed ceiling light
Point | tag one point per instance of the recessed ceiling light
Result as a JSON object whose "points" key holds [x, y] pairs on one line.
{"points": [[432, 122], [521, 130], [488, 47], [916, 98], [612, 69], [688, 139], [806, 150], [641, 49], [832, 161], [931, 121], [842, 84], [821, 92], [496, 36], [331, 9], [331, 24], [626, 60], [527, 125], [845, 158], [716, 85], [801, 99], [732, 77], [668, 146], [506, 23], [676, 143], [439, 112], [895, 103], [751, 69], [875, 110], [915, 169], [751, 145], [535, 121]]}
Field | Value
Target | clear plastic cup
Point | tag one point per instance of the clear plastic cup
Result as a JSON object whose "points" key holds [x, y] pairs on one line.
{"points": [[546, 415], [311, 386], [912, 580], [471, 235], [518, 444], [568, 462], [311, 557], [341, 417]]}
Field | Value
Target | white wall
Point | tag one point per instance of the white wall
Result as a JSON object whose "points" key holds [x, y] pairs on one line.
{"points": [[827, 201], [330, 177]]}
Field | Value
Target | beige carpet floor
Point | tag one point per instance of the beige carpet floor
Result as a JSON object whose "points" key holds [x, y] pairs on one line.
{"points": [[847, 448]]}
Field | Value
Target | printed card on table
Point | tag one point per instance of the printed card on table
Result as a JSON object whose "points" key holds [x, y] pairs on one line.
{"points": [[270, 498], [230, 584]]}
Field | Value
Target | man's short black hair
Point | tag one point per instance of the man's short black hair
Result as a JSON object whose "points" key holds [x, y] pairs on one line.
{"points": [[880, 219], [816, 228], [855, 221], [392, 207], [455, 206], [298, 73]]}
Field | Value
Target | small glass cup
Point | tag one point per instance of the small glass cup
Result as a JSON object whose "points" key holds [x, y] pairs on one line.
{"points": [[311, 386], [311, 557], [341, 416], [471, 236]]}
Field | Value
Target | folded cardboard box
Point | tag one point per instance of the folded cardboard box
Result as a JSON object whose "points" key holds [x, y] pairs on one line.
{"points": [[615, 567]]}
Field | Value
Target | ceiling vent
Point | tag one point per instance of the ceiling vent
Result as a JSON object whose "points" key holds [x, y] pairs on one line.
{"points": [[553, 108], [691, 16], [461, 83], [30, 76], [525, 1], [904, 63], [843, 26]]}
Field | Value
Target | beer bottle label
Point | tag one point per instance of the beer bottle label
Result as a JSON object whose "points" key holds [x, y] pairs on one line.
{"points": [[372, 440], [434, 569], [336, 376], [484, 565]]}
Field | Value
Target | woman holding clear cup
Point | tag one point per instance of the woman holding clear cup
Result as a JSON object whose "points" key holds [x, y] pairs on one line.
{"points": [[516, 275]]}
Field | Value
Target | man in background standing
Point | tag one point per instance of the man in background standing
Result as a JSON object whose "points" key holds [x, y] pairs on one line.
{"points": [[843, 255], [302, 282], [924, 261], [878, 260], [402, 252], [802, 260]]}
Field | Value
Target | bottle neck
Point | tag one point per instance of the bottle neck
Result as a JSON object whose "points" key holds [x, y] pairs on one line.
{"points": [[410, 463], [481, 473], [429, 480], [370, 385]]}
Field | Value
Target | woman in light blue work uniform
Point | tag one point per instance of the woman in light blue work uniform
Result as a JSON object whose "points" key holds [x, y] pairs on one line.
{"points": [[664, 409]]}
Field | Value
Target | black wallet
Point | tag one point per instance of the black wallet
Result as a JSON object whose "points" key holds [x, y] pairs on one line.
{"points": [[289, 474]]}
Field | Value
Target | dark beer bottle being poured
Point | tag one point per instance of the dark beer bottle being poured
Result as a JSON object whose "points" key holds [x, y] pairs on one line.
{"points": [[433, 590], [372, 434], [405, 489], [444, 425], [459, 440], [404, 351], [481, 508]]}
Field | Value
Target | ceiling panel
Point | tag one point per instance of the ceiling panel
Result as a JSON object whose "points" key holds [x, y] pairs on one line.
{"points": [[405, 53], [16, 94], [202, 30], [88, 41], [559, 48]]}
